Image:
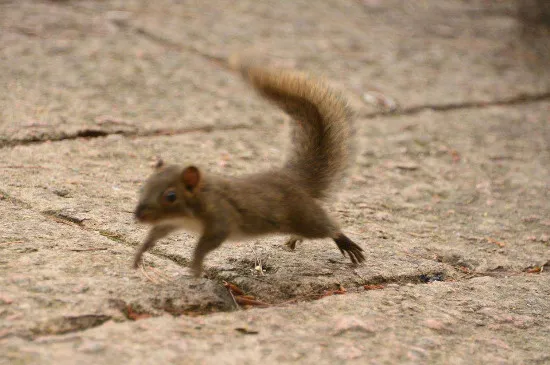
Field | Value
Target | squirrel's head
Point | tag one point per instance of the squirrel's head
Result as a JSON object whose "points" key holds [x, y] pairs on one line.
{"points": [[168, 193]]}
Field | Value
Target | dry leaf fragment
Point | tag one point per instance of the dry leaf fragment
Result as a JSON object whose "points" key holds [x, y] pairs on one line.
{"points": [[252, 302], [133, 315], [534, 270], [234, 288], [455, 156], [498, 243], [341, 290]]}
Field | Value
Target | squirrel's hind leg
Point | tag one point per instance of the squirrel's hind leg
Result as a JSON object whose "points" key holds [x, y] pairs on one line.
{"points": [[292, 241]]}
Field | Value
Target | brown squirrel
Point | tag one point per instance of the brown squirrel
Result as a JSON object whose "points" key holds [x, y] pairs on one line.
{"points": [[283, 200]]}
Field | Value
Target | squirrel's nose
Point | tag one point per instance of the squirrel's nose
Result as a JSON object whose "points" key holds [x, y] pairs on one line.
{"points": [[141, 212]]}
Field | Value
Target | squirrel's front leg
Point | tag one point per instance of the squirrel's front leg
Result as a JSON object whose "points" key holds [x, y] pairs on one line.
{"points": [[155, 234], [292, 241], [210, 240]]}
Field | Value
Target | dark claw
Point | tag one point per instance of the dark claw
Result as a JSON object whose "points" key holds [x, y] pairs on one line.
{"points": [[351, 248]]}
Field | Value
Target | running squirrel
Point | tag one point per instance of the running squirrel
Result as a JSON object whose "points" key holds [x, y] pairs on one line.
{"points": [[283, 200]]}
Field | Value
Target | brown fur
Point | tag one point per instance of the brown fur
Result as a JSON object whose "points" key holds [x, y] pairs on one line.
{"points": [[278, 201]]}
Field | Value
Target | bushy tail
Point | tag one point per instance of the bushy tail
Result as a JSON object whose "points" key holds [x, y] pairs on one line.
{"points": [[321, 138]]}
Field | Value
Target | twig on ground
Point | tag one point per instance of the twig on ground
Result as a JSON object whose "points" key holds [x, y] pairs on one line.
{"points": [[11, 242], [145, 273]]}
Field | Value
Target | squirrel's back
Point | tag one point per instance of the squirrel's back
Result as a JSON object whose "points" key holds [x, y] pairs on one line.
{"points": [[322, 134]]}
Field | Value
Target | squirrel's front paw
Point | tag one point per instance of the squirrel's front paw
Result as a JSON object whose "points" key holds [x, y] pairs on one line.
{"points": [[196, 269], [137, 261]]}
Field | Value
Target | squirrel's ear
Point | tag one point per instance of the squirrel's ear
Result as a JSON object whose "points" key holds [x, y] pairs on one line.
{"points": [[191, 177], [159, 164]]}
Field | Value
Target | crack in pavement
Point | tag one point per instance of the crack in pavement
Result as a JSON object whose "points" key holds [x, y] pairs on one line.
{"points": [[523, 98], [165, 42], [221, 61], [64, 218], [91, 133], [450, 273], [520, 99], [68, 324]]}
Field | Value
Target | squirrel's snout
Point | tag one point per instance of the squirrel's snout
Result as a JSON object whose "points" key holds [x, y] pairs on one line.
{"points": [[142, 212]]}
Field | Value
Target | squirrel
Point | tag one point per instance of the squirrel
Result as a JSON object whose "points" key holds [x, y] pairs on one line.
{"points": [[284, 200]]}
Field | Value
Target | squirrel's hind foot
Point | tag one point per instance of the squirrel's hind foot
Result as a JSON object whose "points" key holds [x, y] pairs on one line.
{"points": [[354, 251]]}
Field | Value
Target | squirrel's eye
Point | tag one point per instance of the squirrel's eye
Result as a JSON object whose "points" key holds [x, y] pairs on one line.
{"points": [[170, 196]]}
